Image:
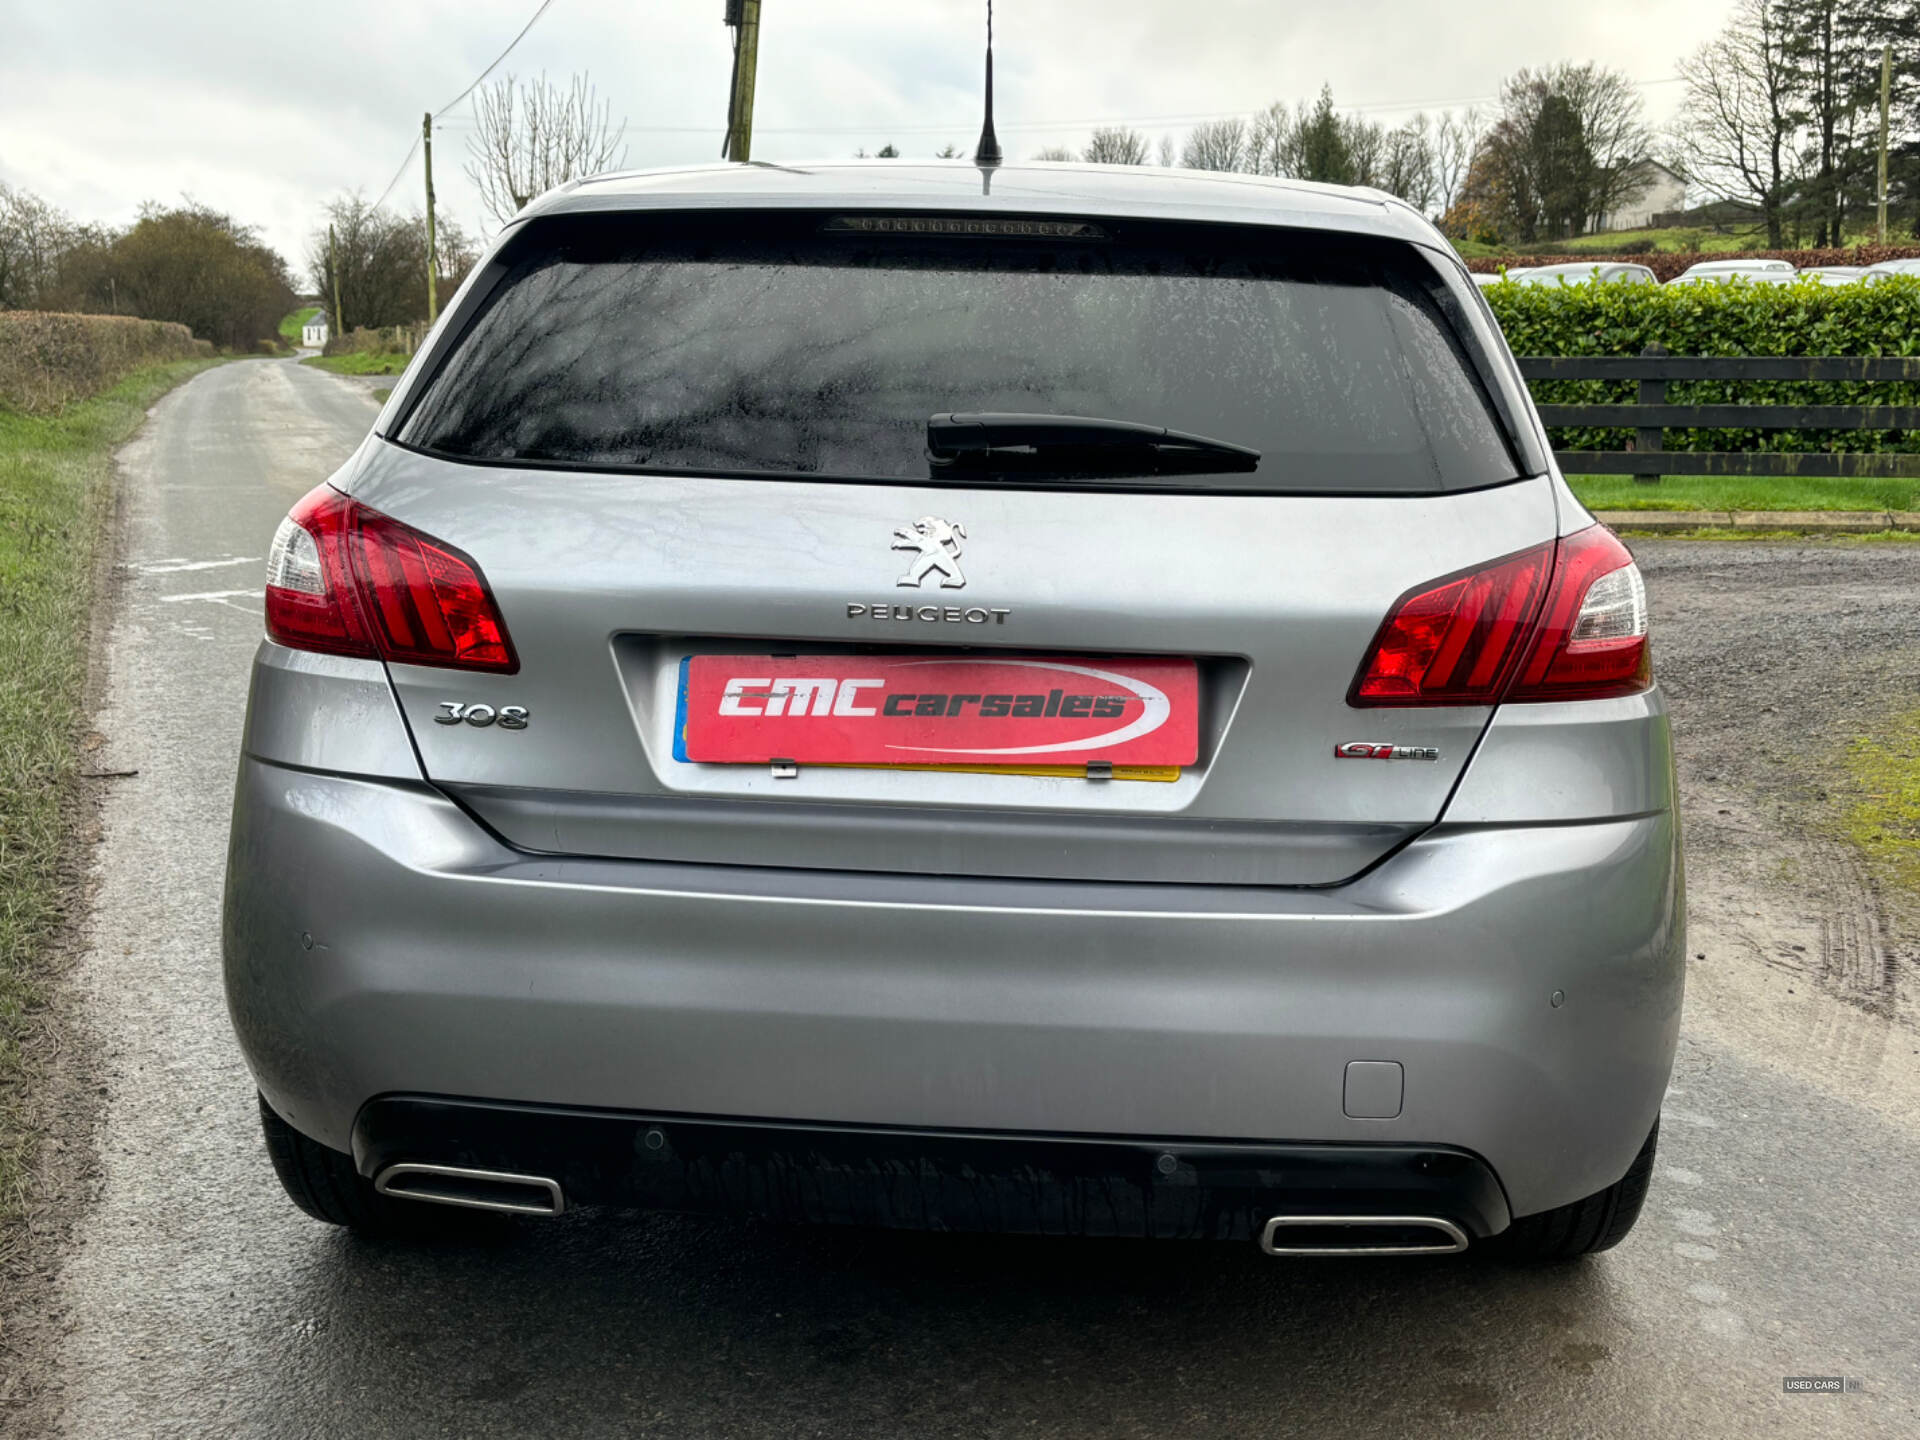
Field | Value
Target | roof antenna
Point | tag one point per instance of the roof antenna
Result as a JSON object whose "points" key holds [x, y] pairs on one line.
{"points": [[987, 153]]}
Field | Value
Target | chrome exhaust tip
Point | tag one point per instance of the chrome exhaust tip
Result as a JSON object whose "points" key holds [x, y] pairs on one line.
{"points": [[1362, 1235], [473, 1189]]}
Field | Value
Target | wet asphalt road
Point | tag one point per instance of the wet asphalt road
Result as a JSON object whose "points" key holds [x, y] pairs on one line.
{"points": [[1780, 1238]]}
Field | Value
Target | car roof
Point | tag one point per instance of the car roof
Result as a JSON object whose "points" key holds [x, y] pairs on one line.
{"points": [[1728, 277], [1569, 267], [1748, 264], [1586, 267], [1908, 266], [1094, 191]]}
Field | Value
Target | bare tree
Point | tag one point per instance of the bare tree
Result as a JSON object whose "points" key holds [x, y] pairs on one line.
{"points": [[1166, 156], [1832, 50], [530, 136], [1566, 150], [1272, 144], [1455, 139], [1736, 134], [1116, 145], [33, 238], [1406, 164], [381, 258], [1216, 145], [1613, 124], [1366, 146], [1055, 153]]}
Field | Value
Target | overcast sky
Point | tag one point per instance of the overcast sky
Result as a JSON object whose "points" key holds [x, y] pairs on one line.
{"points": [[266, 108]]}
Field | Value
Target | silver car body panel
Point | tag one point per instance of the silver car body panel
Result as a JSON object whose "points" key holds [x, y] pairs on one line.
{"points": [[326, 712], [583, 562], [564, 915], [379, 941]]}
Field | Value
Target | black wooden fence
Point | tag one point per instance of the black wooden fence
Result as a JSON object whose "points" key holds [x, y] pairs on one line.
{"points": [[1651, 416]]}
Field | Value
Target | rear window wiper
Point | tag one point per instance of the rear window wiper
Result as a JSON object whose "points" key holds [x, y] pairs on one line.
{"points": [[1075, 445]]}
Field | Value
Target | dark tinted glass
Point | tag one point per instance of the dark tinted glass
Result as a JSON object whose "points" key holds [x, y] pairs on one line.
{"points": [[778, 345]]}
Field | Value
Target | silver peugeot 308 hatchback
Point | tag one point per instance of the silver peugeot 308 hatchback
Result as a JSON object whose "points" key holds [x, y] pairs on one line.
{"points": [[1068, 700]]}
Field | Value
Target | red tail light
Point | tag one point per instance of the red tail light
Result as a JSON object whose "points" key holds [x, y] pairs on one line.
{"points": [[350, 581], [1565, 621], [1592, 639]]}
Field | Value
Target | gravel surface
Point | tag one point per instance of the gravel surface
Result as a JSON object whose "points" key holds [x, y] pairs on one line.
{"points": [[1780, 1237], [1774, 657]]}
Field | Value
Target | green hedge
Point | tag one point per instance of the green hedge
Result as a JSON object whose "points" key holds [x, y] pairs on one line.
{"points": [[49, 361], [1735, 319]]}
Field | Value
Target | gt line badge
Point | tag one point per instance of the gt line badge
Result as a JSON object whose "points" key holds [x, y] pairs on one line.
{"points": [[1368, 750], [936, 544]]}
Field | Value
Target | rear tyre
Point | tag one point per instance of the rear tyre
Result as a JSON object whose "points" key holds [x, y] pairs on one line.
{"points": [[324, 1183], [1585, 1227]]}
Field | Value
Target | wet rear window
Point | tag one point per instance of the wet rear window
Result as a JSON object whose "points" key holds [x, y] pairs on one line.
{"points": [[776, 343]]}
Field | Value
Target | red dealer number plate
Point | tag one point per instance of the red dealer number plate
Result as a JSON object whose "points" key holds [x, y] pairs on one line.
{"points": [[923, 709]]}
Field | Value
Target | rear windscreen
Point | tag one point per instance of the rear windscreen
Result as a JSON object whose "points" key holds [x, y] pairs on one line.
{"points": [[800, 345]]}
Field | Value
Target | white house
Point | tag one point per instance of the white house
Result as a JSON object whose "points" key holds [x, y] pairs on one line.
{"points": [[315, 331], [1656, 190]]}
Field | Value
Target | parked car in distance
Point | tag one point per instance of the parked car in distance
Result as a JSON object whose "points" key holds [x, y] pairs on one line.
{"points": [[1889, 270], [1719, 272], [1833, 274], [1159, 752], [1606, 272], [1738, 277]]}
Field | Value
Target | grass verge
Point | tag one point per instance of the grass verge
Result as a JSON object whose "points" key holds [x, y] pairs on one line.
{"points": [[56, 494], [1679, 239], [1799, 537], [1714, 492], [1883, 814], [360, 362], [292, 325], [1674, 239]]}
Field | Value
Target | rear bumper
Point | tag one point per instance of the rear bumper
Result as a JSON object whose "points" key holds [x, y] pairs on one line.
{"points": [[378, 942], [945, 1180]]}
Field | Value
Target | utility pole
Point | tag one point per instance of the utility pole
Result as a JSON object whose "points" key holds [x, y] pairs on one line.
{"points": [[744, 17], [1886, 91], [333, 270], [433, 258]]}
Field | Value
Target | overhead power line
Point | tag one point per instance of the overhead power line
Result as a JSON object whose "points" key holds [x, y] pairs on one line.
{"points": [[414, 148], [398, 173], [496, 61]]}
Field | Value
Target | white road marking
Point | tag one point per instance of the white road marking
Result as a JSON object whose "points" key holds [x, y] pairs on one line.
{"points": [[220, 595], [1679, 1176], [176, 565]]}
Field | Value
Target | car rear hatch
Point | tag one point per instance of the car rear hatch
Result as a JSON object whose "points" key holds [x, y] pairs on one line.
{"points": [[665, 439]]}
